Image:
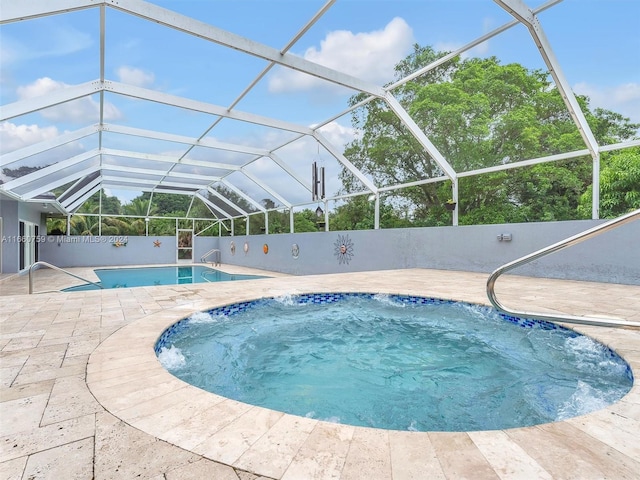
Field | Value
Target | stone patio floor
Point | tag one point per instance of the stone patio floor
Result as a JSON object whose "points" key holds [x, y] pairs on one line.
{"points": [[83, 395]]}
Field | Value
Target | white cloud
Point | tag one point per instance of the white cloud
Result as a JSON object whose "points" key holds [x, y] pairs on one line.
{"points": [[623, 99], [14, 137], [135, 76], [52, 41], [42, 86], [370, 56], [81, 111], [338, 134]]}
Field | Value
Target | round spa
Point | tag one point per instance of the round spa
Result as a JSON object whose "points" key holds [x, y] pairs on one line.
{"points": [[394, 362]]}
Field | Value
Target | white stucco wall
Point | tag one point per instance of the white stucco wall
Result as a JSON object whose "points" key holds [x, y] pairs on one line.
{"points": [[611, 257]]}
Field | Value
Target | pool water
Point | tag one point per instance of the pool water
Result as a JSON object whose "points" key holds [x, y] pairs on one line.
{"points": [[150, 276], [394, 362]]}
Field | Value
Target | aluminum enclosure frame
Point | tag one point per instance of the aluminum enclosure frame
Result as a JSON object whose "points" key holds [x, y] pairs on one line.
{"points": [[30, 186]]}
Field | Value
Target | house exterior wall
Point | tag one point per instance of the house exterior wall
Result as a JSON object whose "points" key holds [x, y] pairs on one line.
{"points": [[100, 251], [12, 213], [10, 231], [612, 257]]}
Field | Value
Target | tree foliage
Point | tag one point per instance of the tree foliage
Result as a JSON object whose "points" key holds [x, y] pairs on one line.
{"points": [[619, 185], [19, 172], [478, 114], [129, 219]]}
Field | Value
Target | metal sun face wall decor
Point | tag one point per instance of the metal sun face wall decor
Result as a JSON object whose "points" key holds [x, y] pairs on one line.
{"points": [[343, 249]]}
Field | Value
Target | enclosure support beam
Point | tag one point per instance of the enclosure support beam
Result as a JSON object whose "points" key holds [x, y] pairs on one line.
{"points": [[376, 221], [519, 10], [419, 135]]}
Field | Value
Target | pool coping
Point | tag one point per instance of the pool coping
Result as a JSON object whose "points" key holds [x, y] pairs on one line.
{"points": [[125, 376]]}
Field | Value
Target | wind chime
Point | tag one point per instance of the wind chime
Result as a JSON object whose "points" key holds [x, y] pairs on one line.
{"points": [[317, 189], [317, 182]]}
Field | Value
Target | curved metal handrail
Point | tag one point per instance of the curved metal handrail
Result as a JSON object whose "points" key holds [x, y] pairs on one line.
{"points": [[580, 237], [213, 250], [46, 264]]}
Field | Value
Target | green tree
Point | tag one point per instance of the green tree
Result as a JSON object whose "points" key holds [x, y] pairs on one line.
{"points": [[56, 226], [19, 172], [359, 214], [139, 207], [619, 185], [305, 221], [91, 205], [479, 114], [200, 210], [117, 226], [356, 214], [268, 203], [256, 224], [279, 222], [162, 227], [84, 225], [208, 228], [166, 203], [111, 205]]}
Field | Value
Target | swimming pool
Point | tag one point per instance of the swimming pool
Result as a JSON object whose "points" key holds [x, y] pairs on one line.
{"points": [[394, 362], [151, 276]]}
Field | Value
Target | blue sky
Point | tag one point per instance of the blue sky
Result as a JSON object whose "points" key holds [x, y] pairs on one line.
{"points": [[597, 43]]}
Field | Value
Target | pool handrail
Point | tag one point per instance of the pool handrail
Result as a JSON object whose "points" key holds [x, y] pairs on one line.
{"points": [[567, 242], [213, 250], [203, 275], [49, 265]]}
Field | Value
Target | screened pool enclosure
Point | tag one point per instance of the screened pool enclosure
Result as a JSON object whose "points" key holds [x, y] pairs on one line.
{"points": [[131, 128]]}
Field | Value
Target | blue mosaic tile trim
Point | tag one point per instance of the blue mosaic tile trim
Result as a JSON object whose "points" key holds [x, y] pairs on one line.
{"points": [[628, 372], [326, 298], [164, 339], [235, 308], [533, 323], [181, 325], [413, 300]]}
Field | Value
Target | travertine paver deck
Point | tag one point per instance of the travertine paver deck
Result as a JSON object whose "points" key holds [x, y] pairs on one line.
{"points": [[83, 395]]}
